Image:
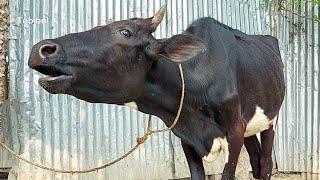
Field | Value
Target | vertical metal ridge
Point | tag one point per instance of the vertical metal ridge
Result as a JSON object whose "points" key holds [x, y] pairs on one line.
{"points": [[318, 54], [308, 108]]}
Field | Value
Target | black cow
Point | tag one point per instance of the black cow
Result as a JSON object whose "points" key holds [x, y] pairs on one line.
{"points": [[234, 83]]}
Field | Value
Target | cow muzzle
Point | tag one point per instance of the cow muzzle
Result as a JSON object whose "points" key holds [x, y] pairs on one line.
{"points": [[46, 57]]}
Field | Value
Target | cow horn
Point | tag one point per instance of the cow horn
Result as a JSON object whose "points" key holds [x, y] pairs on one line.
{"points": [[157, 18]]}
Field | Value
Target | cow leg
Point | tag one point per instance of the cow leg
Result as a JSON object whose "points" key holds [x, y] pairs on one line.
{"points": [[252, 145], [267, 137], [194, 162], [231, 119], [235, 140]]}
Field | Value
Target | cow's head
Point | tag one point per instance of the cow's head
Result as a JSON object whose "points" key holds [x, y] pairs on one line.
{"points": [[108, 63]]}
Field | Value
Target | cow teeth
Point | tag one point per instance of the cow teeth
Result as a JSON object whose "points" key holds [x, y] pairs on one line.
{"points": [[50, 78], [53, 78]]}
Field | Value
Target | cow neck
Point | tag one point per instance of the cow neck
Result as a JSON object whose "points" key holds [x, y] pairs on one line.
{"points": [[161, 98], [180, 104], [162, 92]]}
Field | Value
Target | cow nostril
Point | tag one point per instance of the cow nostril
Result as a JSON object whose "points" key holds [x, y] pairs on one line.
{"points": [[47, 50]]}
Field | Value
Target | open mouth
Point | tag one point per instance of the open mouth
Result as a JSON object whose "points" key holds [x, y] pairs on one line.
{"points": [[54, 80], [52, 74]]}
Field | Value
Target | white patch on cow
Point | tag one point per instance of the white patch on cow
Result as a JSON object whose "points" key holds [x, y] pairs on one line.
{"points": [[225, 149], [132, 105], [218, 145], [258, 123], [274, 124]]}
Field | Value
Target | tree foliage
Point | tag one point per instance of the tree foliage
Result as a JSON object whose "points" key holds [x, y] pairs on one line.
{"points": [[290, 6], [290, 2]]}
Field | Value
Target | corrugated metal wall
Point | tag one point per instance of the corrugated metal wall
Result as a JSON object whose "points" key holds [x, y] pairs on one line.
{"points": [[64, 132], [298, 136]]}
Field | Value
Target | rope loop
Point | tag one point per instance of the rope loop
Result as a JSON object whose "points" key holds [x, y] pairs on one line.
{"points": [[140, 140]]}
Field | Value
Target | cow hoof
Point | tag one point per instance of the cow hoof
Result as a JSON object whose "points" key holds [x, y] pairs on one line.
{"points": [[228, 177], [256, 175], [265, 178]]}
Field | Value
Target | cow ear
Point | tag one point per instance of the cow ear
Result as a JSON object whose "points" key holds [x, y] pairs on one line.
{"points": [[181, 47]]}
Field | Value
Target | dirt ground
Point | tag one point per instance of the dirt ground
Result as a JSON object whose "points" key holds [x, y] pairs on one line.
{"points": [[277, 176], [282, 176]]}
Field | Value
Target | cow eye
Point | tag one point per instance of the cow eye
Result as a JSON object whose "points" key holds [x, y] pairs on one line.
{"points": [[126, 33]]}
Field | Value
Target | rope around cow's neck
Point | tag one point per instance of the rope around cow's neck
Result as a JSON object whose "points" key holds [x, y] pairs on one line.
{"points": [[140, 140]]}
